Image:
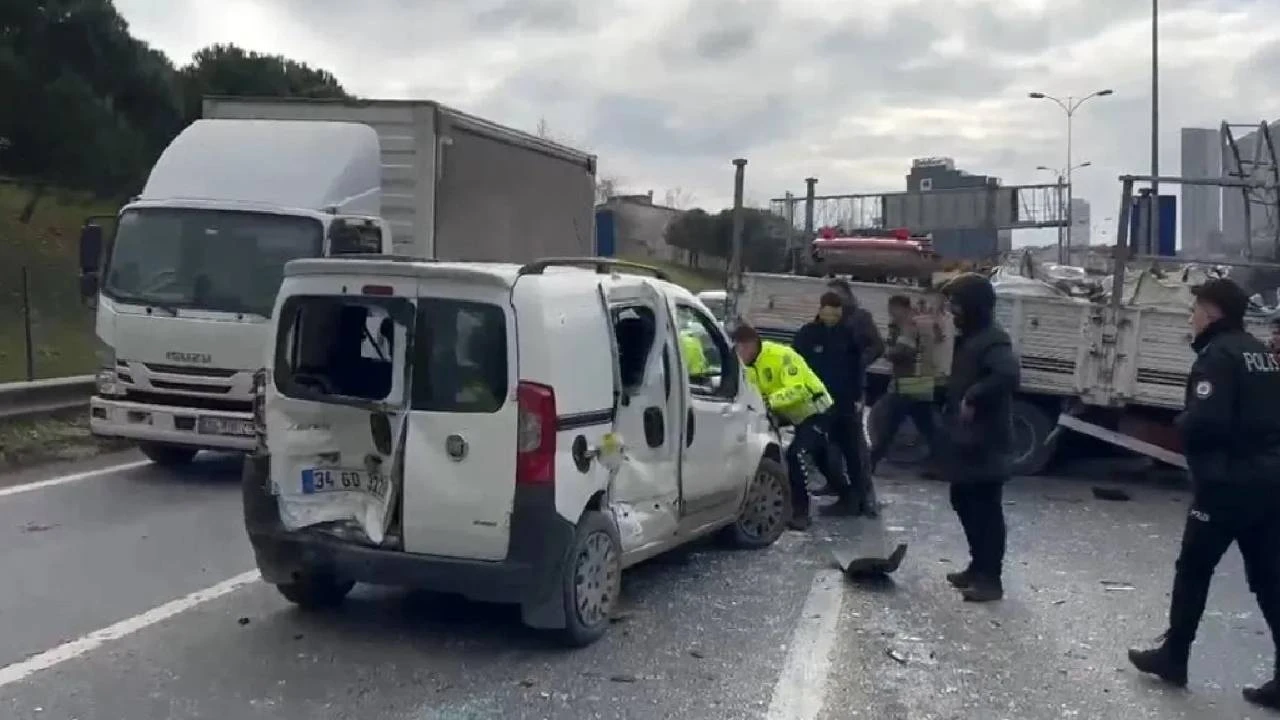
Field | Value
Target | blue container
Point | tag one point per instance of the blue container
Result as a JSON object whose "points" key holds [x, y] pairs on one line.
{"points": [[1167, 244], [606, 233]]}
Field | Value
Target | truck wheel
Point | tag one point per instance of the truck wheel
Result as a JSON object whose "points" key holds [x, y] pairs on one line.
{"points": [[1031, 427], [168, 455], [592, 580], [765, 509], [315, 592]]}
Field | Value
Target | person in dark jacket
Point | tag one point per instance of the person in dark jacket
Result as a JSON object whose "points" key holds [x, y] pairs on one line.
{"points": [[984, 375], [1231, 439], [871, 347], [831, 349], [860, 321]]}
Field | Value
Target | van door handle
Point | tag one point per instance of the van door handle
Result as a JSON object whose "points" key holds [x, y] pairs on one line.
{"points": [[655, 428], [689, 429]]}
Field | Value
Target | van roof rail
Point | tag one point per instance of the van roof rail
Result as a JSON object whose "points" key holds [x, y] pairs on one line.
{"points": [[602, 265], [379, 256]]}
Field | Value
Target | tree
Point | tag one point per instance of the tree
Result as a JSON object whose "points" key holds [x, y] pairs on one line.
{"points": [[763, 236], [84, 104], [230, 70]]}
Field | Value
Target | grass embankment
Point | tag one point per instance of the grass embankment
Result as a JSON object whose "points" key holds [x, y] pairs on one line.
{"points": [[47, 247]]}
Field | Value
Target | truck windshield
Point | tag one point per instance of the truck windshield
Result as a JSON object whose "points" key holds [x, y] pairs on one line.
{"points": [[218, 260]]}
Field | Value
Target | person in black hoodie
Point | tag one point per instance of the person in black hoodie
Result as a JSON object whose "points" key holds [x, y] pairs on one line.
{"points": [[979, 395], [830, 347], [1231, 435]]}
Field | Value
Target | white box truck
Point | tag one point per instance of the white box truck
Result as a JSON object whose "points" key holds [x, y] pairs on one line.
{"points": [[185, 285]]}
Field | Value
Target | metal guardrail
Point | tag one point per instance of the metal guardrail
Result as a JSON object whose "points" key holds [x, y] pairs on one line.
{"points": [[40, 397]]}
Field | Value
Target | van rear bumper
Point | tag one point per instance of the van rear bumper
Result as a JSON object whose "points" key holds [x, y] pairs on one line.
{"points": [[531, 576]]}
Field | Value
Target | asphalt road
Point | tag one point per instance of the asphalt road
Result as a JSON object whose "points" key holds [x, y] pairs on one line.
{"points": [[129, 596]]}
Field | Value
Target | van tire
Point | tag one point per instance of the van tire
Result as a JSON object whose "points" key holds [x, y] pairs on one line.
{"points": [[595, 556], [766, 508], [168, 455], [1032, 427], [315, 592]]}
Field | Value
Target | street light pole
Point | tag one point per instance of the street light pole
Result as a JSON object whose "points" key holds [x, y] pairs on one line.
{"points": [[1069, 106], [1153, 239], [1062, 178]]}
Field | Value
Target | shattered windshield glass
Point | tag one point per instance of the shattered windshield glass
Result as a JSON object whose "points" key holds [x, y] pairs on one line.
{"points": [[206, 259]]}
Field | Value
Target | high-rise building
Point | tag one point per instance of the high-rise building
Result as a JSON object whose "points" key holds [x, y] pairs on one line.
{"points": [[940, 173], [1080, 233], [1201, 204], [1259, 228]]}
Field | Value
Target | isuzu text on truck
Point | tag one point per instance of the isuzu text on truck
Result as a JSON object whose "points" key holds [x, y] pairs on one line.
{"points": [[186, 284]]}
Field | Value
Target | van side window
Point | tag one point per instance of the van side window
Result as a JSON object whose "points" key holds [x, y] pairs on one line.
{"points": [[635, 329], [709, 362], [459, 357], [337, 346]]}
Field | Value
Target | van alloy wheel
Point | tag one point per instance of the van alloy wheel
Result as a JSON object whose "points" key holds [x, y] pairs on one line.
{"points": [[765, 506], [596, 580]]}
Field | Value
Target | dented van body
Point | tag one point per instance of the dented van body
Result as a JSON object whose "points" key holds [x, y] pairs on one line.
{"points": [[514, 434]]}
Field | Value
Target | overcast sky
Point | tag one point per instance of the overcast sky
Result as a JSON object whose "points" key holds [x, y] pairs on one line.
{"points": [[667, 92]]}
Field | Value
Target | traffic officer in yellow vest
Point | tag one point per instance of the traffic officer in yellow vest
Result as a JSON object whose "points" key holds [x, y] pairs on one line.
{"points": [[694, 356], [795, 395]]}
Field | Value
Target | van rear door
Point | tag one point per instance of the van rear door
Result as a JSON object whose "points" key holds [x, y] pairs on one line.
{"points": [[336, 409], [460, 452]]}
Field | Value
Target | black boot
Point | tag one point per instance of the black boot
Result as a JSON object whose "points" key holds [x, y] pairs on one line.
{"points": [[1266, 695], [1166, 661], [962, 579], [982, 590]]}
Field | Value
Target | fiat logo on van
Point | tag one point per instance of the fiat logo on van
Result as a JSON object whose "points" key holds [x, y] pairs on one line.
{"points": [[456, 447]]}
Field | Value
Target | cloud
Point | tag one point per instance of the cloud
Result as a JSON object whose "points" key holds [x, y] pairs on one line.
{"points": [[668, 92]]}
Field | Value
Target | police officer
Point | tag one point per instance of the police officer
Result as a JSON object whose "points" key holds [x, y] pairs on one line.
{"points": [[1231, 435], [795, 394]]}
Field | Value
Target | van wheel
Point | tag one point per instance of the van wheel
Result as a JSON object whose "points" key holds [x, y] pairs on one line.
{"points": [[1031, 427], [315, 592], [592, 580], [168, 455], [765, 510]]}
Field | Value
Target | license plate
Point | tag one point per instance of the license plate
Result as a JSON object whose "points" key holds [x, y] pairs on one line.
{"points": [[316, 481], [225, 426]]}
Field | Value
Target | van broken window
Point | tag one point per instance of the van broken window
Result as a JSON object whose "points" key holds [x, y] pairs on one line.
{"points": [[460, 357], [342, 347]]}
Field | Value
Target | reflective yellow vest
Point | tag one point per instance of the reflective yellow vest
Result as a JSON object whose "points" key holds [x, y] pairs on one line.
{"points": [[789, 387], [695, 358]]}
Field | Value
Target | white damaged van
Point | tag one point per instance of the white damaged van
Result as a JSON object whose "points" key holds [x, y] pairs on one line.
{"points": [[513, 434]]}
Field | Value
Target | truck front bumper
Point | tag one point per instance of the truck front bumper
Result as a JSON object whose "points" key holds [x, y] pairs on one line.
{"points": [[192, 427]]}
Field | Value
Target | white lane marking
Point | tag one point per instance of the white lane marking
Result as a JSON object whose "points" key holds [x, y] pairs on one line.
{"points": [[74, 477], [802, 687], [73, 649]]}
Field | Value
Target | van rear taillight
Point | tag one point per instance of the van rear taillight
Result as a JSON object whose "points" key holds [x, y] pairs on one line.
{"points": [[535, 435], [379, 290]]}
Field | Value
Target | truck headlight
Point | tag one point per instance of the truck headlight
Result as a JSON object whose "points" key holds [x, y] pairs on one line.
{"points": [[109, 383]]}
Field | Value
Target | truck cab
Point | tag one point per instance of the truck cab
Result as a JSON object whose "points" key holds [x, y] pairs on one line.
{"points": [[185, 284]]}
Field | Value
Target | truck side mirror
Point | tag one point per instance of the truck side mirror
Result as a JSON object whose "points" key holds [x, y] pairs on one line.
{"points": [[355, 235], [90, 248]]}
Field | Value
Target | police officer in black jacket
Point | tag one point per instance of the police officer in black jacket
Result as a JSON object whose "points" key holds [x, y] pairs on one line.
{"points": [[831, 348], [1231, 436], [977, 438]]}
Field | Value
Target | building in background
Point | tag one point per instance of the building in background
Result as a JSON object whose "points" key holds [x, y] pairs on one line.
{"points": [[633, 227], [1261, 225], [1201, 204], [1080, 233], [940, 173]]}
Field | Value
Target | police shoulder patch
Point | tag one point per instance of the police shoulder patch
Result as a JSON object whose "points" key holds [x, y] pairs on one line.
{"points": [[1204, 389], [793, 370]]}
